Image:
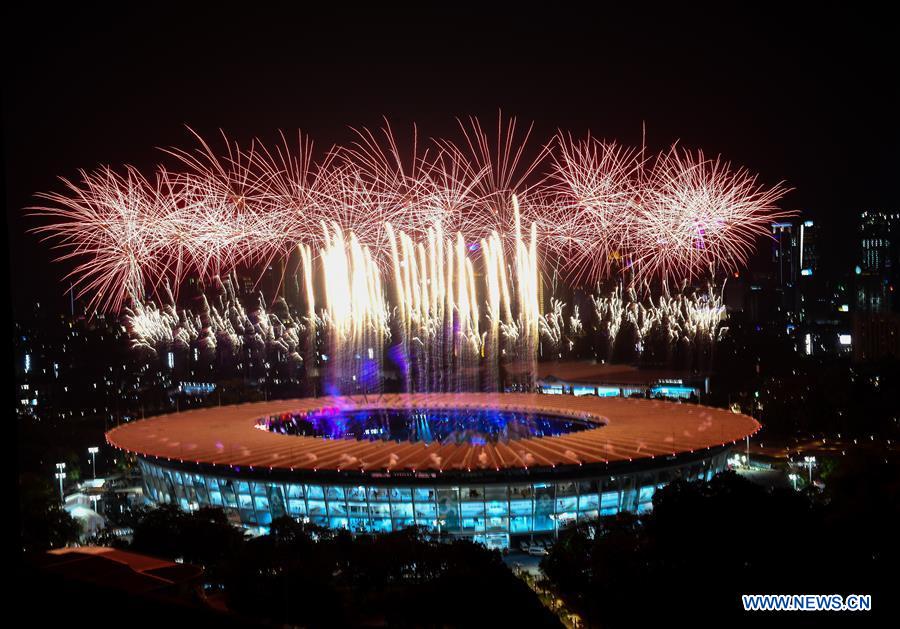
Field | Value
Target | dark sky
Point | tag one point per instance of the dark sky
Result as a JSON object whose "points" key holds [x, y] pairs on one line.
{"points": [[809, 96]]}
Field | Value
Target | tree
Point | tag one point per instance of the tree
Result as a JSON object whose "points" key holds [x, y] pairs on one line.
{"points": [[705, 543], [43, 523]]}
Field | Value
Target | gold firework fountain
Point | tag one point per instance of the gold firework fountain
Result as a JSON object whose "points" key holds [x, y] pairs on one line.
{"points": [[445, 340]]}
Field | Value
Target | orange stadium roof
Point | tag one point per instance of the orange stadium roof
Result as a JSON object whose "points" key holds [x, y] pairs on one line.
{"points": [[632, 430]]}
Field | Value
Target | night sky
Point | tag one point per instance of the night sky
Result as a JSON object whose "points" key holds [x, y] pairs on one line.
{"points": [[810, 97]]}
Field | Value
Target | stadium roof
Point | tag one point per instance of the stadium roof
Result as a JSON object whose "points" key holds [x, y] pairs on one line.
{"points": [[633, 430]]}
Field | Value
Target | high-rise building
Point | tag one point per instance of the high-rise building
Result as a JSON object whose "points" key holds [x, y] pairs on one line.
{"points": [[785, 256], [808, 249], [876, 270], [875, 336]]}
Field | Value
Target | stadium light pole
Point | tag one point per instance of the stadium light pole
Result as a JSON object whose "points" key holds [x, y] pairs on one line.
{"points": [[60, 476], [810, 461], [93, 450], [793, 478]]}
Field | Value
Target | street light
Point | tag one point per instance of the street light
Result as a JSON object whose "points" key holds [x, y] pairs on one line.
{"points": [[793, 478], [93, 450], [60, 476], [810, 461]]}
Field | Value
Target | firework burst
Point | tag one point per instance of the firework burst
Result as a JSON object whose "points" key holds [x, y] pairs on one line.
{"points": [[700, 214], [599, 209]]}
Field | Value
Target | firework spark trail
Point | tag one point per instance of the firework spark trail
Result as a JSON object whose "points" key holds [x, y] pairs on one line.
{"points": [[600, 210], [694, 320], [225, 328], [700, 213], [438, 313], [586, 213], [552, 325], [355, 313], [109, 224]]}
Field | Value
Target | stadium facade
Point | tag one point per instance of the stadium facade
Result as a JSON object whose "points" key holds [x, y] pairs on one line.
{"points": [[493, 467]]}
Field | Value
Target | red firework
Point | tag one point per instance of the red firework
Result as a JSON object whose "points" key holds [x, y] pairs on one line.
{"points": [[600, 209]]}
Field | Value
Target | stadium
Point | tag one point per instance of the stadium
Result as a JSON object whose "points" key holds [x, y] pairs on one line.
{"points": [[491, 467]]}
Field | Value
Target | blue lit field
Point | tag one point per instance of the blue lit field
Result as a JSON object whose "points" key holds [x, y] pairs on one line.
{"points": [[462, 426]]}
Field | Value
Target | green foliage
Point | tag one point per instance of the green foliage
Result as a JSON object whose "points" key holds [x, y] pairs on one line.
{"points": [[712, 541], [203, 537], [43, 523], [303, 574]]}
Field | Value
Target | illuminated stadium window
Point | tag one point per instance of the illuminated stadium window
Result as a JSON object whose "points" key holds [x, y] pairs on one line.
{"points": [[381, 525], [521, 507], [337, 508], [496, 507], [448, 507], [358, 510], [296, 508], [425, 511], [610, 500], [380, 510], [228, 494], [401, 494], [402, 510], [646, 494], [316, 508], [471, 509], [263, 517], [543, 508]]}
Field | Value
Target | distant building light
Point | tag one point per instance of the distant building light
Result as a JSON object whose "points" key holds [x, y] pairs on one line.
{"points": [[844, 308], [858, 270], [27, 363], [808, 224], [808, 344], [845, 339], [806, 271]]}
